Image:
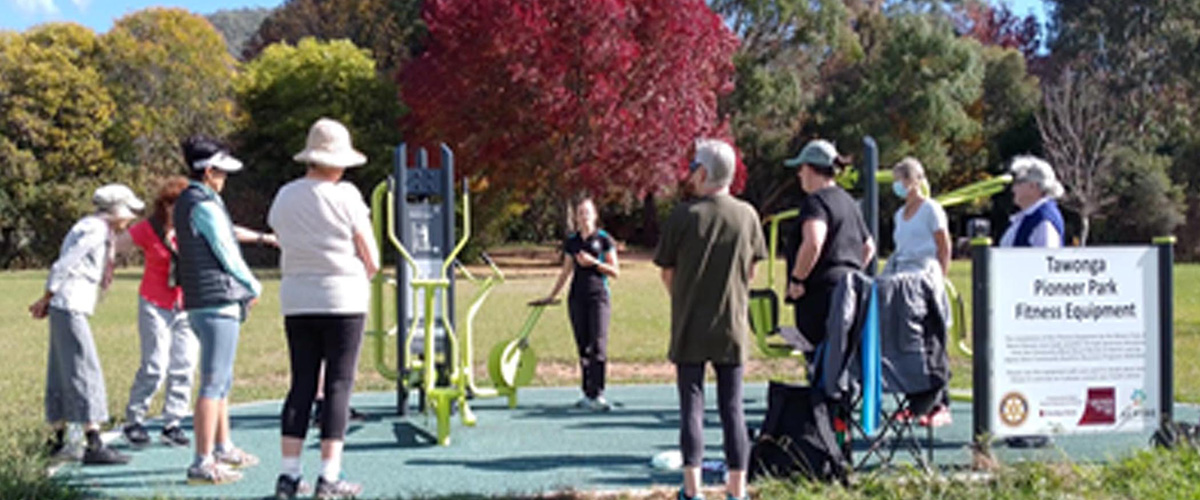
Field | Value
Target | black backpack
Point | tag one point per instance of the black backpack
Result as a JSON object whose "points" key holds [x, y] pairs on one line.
{"points": [[797, 437]]}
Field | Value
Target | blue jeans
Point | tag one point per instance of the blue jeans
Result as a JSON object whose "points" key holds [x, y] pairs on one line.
{"points": [[218, 335]]}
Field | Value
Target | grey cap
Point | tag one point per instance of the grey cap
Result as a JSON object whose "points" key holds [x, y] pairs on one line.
{"points": [[117, 200], [818, 153]]}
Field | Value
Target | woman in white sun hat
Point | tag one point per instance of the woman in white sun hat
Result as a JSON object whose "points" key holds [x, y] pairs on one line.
{"points": [[75, 389], [329, 256]]}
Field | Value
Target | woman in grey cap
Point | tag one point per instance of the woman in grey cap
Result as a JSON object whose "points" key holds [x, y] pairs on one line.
{"points": [[75, 390], [830, 238]]}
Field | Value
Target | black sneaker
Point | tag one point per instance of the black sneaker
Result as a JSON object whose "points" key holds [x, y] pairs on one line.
{"points": [[136, 434], [174, 436], [104, 456], [287, 488], [356, 416]]}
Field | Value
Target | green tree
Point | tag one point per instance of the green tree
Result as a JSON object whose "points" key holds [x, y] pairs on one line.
{"points": [[787, 48], [171, 76], [914, 93], [390, 29], [287, 88], [54, 110]]}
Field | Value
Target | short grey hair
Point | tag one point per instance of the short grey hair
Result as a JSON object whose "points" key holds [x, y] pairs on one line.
{"points": [[718, 160], [910, 169], [1033, 169]]}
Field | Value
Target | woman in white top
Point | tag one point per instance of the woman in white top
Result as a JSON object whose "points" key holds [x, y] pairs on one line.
{"points": [[921, 234], [329, 255], [922, 246]]}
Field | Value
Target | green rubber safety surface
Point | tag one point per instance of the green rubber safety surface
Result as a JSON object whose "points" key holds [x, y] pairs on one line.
{"points": [[543, 445]]}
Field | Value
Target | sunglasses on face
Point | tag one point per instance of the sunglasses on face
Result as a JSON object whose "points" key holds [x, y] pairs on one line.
{"points": [[693, 166]]}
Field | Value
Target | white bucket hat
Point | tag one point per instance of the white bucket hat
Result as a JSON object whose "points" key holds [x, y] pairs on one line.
{"points": [[329, 145], [117, 200]]}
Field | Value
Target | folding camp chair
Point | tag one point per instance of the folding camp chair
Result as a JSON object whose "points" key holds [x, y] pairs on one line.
{"points": [[865, 418]]}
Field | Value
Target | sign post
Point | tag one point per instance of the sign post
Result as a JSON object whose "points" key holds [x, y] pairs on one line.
{"points": [[1072, 340]]}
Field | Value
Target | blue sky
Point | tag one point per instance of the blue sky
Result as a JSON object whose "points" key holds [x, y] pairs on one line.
{"points": [[100, 14]]}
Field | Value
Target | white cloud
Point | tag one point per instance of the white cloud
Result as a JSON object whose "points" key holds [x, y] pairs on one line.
{"points": [[37, 6], [82, 5]]}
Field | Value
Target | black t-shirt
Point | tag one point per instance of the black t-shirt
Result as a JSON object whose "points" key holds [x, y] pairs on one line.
{"points": [[844, 241], [589, 281]]}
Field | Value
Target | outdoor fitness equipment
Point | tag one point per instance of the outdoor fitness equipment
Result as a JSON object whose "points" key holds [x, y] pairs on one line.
{"points": [[426, 343], [511, 363]]}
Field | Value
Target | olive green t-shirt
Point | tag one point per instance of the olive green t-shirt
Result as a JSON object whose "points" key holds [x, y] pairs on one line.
{"points": [[712, 243]]}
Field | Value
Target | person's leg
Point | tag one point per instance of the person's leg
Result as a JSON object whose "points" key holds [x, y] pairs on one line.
{"points": [[577, 311], [154, 333], [343, 342], [689, 380], [87, 399], [597, 351], [181, 369], [218, 343], [733, 427], [305, 351]]}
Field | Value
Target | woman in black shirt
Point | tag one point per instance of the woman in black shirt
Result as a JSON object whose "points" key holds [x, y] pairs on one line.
{"points": [[592, 261], [830, 239]]}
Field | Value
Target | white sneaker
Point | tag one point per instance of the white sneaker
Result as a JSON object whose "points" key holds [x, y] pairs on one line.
{"points": [[599, 404]]}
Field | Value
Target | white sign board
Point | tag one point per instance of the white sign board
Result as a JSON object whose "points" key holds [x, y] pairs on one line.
{"points": [[1074, 340]]}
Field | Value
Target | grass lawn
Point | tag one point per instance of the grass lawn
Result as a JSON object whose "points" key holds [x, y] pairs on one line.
{"points": [[637, 346]]}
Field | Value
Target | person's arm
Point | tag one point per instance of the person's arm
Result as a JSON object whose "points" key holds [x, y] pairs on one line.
{"points": [[368, 252], [608, 268], [942, 238], [67, 263], [123, 243], [212, 223], [1044, 235], [814, 230], [568, 268], [247, 235], [668, 276]]}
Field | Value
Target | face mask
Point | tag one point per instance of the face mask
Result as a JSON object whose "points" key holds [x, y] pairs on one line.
{"points": [[899, 189]]}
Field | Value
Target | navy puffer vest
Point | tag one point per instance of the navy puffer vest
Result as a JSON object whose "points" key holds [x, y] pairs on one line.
{"points": [[205, 282]]}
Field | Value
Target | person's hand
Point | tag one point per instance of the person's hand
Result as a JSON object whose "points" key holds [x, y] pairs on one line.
{"points": [[585, 259], [253, 302], [795, 291], [40, 308], [268, 239], [544, 301]]}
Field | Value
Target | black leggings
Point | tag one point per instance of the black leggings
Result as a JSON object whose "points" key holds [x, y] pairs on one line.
{"points": [[314, 338], [589, 320], [690, 381]]}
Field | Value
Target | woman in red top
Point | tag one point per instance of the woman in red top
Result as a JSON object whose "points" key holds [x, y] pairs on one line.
{"points": [[169, 348]]}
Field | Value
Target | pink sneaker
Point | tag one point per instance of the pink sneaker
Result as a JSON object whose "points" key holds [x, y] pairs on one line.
{"points": [[939, 417]]}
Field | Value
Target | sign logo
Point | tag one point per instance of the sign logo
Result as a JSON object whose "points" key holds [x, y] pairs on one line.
{"points": [[1101, 407], [1138, 398], [1014, 409]]}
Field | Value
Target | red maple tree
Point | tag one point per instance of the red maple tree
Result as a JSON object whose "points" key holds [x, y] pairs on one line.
{"points": [[998, 25], [565, 95]]}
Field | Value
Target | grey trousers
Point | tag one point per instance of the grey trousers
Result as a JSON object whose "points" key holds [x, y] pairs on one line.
{"points": [[74, 381], [169, 353]]}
